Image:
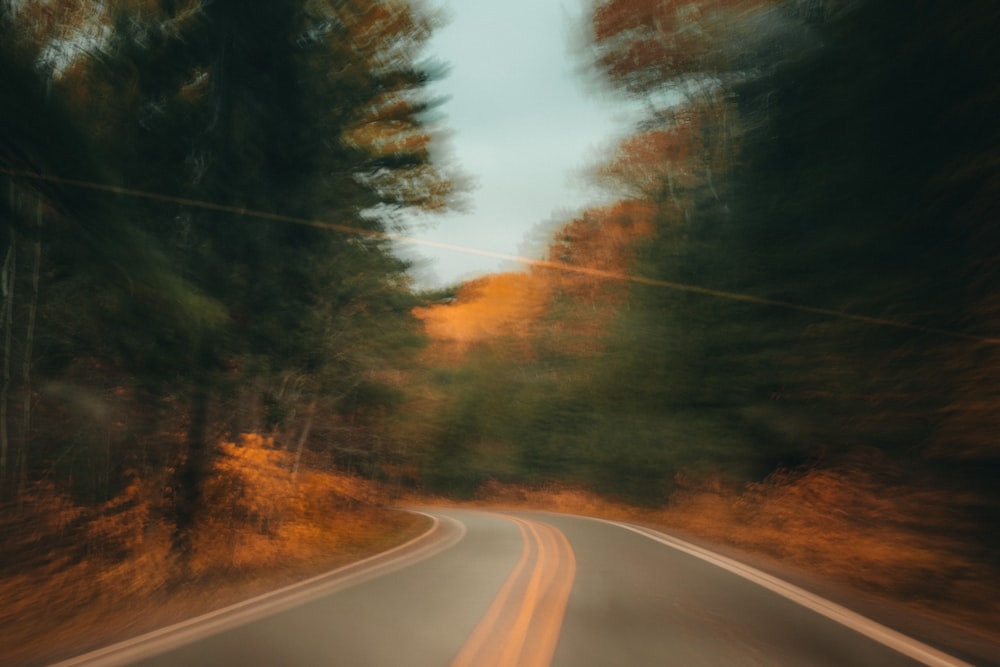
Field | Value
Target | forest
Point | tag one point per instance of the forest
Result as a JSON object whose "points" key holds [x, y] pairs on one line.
{"points": [[780, 327]]}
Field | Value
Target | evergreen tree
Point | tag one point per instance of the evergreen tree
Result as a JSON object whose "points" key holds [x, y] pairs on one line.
{"points": [[228, 133], [856, 170]]}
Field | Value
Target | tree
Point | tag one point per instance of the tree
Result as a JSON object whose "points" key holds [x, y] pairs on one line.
{"points": [[834, 203], [642, 46], [312, 111], [82, 238], [341, 72]]}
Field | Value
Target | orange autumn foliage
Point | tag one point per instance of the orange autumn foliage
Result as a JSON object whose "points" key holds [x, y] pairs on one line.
{"points": [[601, 238], [640, 44], [644, 164], [502, 304], [264, 512], [74, 576], [519, 307]]}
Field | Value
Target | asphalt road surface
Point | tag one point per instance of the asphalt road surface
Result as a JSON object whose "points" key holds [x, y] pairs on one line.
{"points": [[532, 589]]}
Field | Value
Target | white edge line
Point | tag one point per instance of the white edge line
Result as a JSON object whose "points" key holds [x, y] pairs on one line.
{"points": [[897, 641], [241, 613]]}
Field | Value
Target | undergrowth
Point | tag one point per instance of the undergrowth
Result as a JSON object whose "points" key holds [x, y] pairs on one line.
{"points": [[74, 577]]}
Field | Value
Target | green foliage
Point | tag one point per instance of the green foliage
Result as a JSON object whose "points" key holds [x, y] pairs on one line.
{"points": [[170, 308], [858, 179], [851, 171]]}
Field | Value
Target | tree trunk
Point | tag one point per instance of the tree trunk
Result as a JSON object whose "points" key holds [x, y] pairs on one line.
{"points": [[7, 285], [29, 340], [303, 438], [190, 476]]}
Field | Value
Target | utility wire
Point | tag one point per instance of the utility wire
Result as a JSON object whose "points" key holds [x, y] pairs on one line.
{"points": [[542, 263]]}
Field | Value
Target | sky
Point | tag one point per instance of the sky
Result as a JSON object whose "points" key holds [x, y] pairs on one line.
{"points": [[522, 125]]}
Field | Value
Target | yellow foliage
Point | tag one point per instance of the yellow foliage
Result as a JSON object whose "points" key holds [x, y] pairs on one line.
{"points": [[502, 304], [70, 573], [260, 513], [512, 306]]}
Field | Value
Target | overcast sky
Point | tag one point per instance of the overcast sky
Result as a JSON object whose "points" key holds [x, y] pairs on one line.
{"points": [[522, 124]]}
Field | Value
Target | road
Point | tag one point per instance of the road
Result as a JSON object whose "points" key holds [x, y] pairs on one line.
{"points": [[532, 589]]}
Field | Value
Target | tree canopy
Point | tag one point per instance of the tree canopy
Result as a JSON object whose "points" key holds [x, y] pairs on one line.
{"points": [[178, 152]]}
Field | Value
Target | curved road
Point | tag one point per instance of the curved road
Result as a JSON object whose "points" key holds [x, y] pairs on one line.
{"points": [[533, 589]]}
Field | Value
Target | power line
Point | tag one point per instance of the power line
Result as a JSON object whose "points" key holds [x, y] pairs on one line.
{"points": [[541, 263]]}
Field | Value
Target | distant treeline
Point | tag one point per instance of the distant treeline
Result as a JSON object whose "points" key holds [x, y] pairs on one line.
{"points": [[824, 175]]}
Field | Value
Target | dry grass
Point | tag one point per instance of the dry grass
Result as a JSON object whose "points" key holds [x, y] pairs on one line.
{"points": [[907, 545], [75, 578]]}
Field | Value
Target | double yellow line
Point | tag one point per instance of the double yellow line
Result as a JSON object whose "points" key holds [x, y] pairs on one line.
{"points": [[521, 627]]}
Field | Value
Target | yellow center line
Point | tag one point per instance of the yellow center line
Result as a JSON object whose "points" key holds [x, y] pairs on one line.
{"points": [[519, 631], [550, 618], [481, 635], [522, 625]]}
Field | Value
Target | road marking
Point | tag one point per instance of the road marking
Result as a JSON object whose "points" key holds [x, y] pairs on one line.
{"points": [[552, 608], [186, 632], [518, 632], [481, 635], [912, 648], [521, 626]]}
